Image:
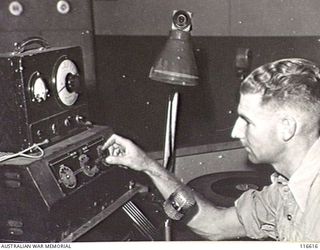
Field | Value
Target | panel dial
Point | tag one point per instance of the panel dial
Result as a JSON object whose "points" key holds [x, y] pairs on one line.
{"points": [[38, 88], [67, 82]]}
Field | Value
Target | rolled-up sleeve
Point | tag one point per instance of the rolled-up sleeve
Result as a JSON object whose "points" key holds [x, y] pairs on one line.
{"points": [[256, 211]]}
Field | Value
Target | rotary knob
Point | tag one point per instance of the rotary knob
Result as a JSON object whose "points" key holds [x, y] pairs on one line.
{"points": [[73, 83], [67, 122], [67, 177], [102, 155], [84, 161]]}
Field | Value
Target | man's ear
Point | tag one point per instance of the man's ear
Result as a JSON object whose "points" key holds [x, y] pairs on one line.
{"points": [[288, 127]]}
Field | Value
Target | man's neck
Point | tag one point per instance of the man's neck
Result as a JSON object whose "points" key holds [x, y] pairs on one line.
{"points": [[294, 155]]}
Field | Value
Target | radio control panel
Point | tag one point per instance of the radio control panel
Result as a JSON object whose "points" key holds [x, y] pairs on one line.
{"points": [[79, 166], [63, 191]]}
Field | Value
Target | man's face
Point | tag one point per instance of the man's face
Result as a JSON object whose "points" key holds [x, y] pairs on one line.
{"points": [[257, 127]]}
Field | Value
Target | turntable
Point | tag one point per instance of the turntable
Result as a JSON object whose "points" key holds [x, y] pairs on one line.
{"points": [[223, 188]]}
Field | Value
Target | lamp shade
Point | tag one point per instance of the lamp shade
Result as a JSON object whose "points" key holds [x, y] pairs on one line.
{"points": [[176, 63]]}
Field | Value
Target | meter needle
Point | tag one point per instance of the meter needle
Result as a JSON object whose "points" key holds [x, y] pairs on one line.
{"points": [[62, 88]]}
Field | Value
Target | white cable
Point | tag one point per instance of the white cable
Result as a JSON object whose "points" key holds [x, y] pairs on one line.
{"points": [[23, 153]]}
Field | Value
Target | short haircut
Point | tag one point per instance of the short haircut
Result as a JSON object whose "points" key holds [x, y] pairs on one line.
{"points": [[292, 82]]}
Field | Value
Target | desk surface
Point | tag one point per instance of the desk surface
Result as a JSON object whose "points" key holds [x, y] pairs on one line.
{"points": [[201, 149]]}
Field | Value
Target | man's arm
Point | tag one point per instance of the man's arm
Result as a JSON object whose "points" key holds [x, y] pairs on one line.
{"points": [[210, 222]]}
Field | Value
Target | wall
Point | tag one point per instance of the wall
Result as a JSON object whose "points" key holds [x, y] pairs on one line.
{"points": [[211, 17]]}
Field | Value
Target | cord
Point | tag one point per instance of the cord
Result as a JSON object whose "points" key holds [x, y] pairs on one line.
{"points": [[23, 153]]}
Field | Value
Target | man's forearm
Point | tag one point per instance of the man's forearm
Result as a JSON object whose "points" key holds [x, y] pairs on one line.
{"points": [[164, 181], [211, 222], [215, 223]]}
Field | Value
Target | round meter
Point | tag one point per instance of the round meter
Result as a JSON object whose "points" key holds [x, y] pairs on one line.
{"points": [[66, 80], [38, 88]]}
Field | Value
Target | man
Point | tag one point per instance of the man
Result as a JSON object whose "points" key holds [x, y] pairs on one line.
{"points": [[278, 123]]}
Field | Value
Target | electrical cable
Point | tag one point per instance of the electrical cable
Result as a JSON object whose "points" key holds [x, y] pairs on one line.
{"points": [[23, 153]]}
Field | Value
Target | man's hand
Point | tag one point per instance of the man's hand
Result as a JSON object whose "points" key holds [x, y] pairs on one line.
{"points": [[124, 152]]}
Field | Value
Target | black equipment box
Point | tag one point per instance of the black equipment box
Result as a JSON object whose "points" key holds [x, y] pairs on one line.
{"points": [[63, 195], [42, 95]]}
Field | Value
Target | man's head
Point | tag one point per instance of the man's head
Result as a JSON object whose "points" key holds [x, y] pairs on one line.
{"points": [[293, 83], [279, 102]]}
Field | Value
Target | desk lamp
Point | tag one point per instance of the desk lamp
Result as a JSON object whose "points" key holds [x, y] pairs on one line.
{"points": [[175, 65]]}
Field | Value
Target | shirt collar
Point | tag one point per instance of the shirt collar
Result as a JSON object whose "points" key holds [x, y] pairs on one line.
{"points": [[302, 179]]}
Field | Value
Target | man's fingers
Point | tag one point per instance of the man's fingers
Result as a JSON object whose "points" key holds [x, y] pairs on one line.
{"points": [[110, 160], [115, 139], [109, 142], [116, 160]]}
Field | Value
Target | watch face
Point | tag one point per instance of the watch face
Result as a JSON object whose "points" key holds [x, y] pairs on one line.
{"points": [[65, 69]]}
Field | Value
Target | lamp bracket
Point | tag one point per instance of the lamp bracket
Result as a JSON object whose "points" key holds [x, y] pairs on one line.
{"points": [[181, 20]]}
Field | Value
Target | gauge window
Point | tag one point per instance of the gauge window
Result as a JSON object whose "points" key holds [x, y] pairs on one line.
{"points": [[37, 88], [67, 82]]}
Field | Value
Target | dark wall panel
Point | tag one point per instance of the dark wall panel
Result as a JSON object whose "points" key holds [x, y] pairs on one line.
{"points": [[210, 17], [43, 15], [153, 17], [274, 17], [135, 106]]}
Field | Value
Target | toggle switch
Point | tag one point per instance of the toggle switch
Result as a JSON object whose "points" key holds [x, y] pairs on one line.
{"points": [[67, 122], [83, 121]]}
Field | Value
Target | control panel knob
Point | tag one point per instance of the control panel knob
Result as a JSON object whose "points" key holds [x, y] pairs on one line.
{"points": [[102, 155], [84, 161], [67, 177], [67, 122], [54, 128], [73, 83], [39, 132], [83, 121], [80, 119]]}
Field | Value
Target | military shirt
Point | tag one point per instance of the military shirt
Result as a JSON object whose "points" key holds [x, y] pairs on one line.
{"points": [[287, 210]]}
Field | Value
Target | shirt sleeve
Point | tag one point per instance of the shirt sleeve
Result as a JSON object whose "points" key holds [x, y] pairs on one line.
{"points": [[256, 211]]}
